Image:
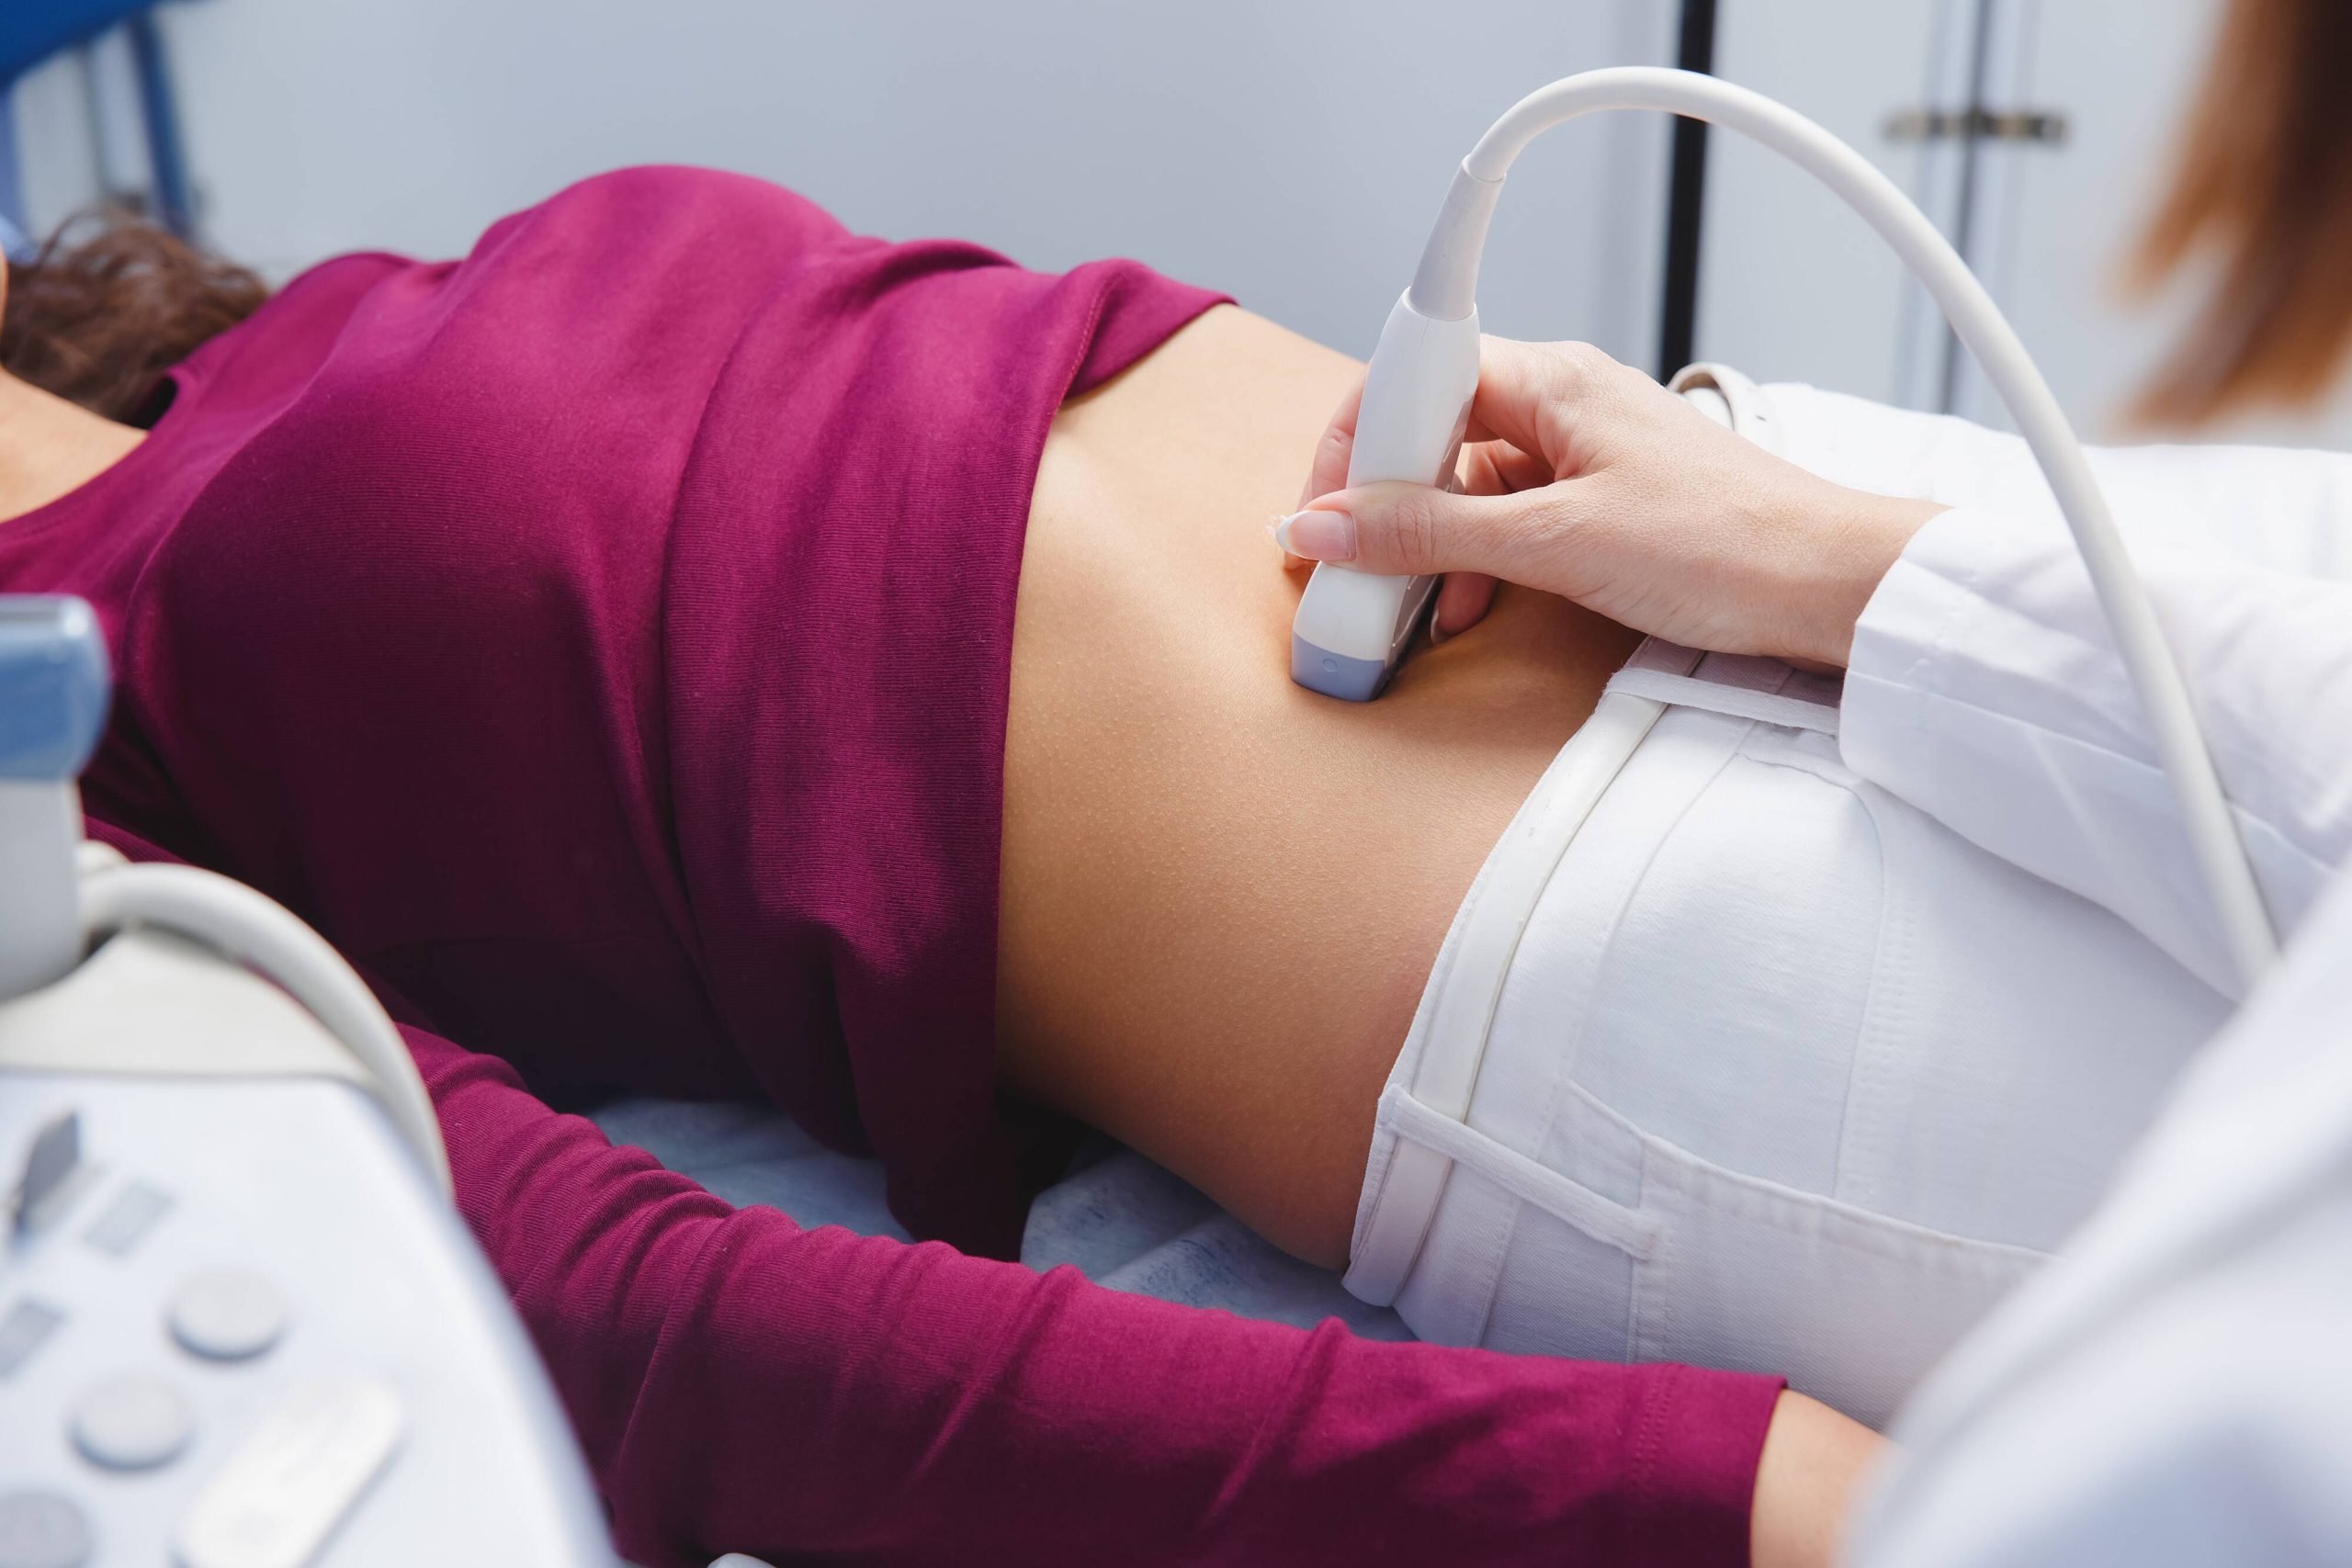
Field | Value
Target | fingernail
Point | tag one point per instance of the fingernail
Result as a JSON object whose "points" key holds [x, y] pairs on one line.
{"points": [[1318, 535]]}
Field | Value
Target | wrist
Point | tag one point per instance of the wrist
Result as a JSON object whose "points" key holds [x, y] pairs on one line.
{"points": [[1857, 538], [1808, 1478]]}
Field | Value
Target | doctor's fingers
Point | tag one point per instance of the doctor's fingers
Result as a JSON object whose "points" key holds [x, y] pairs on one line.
{"points": [[1497, 467], [1529, 536], [1554, 401], [1329, 469], [1528, 392], [1521, 386], [1489, 468], [1463, 600], [1534, 399]]}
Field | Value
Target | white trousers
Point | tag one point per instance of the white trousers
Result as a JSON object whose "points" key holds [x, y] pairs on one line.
{"points": [[1729, 1057]]}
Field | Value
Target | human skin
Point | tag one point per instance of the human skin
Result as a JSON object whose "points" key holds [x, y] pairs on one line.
{"points": [[1221, 892]]}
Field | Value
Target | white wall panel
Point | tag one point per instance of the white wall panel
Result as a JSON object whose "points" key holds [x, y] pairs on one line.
{"points": [[1793, 286]]}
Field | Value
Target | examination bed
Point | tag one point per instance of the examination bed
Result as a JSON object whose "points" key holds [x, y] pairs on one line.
{"points": [[1118, 1218]]}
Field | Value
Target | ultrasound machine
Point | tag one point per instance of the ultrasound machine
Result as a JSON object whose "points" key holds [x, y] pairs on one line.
{"points": [[241, 1325]]}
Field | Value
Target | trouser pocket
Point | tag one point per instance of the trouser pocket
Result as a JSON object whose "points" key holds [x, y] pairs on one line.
{"points": [[1850, 1306], [1685, 1261]]}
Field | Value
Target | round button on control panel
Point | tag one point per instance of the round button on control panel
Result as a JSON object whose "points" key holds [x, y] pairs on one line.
{"points": [[227, 1314], [134, 1422], [42, 1529]]}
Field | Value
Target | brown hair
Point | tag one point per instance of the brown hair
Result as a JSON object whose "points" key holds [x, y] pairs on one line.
{"points": [[2264, 182], [110, 303]]}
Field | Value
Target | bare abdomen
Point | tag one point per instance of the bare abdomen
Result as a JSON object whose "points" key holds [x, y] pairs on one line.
{"points": [[1221, 893]]}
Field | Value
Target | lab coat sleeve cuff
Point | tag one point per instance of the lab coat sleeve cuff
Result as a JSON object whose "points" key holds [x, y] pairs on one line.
{"points": [[1984, 689], [1930, 603], [1981, 677], [1913, 643]]}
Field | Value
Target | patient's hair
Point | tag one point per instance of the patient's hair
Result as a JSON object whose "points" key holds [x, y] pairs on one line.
{"points": [[110, 303], [2264, 187]]}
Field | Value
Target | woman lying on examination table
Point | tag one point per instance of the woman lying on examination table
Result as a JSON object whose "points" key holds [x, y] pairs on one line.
{"points": [[688, 648]]}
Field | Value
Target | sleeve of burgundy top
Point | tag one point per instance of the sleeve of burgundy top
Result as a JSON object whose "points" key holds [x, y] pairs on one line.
{"points": [[744, 1384]]}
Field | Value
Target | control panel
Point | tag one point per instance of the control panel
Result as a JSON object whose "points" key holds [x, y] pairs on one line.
{"points": [[236, 1329]]}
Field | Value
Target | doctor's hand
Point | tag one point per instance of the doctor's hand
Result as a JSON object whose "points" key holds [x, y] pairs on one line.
{"points": [[1587, 479]]}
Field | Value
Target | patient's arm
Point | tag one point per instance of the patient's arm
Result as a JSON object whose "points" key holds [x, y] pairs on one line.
{"points": [[1222, 893], [743, 1384]]}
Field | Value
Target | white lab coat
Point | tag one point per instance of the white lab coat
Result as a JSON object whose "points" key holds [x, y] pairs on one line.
{"points": [[2177, 1388]]}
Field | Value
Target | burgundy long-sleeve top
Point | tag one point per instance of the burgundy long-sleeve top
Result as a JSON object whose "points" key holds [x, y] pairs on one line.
{"points": [[605, 640]]}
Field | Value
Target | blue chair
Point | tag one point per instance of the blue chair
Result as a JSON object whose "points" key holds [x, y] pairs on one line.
{"points": [[32, 30]]}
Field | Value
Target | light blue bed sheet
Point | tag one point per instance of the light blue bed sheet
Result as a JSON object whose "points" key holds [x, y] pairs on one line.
{"points": [[1118, 1218]]}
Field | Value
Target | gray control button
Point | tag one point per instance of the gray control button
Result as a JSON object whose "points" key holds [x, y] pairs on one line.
{"points": [[53, 1172], [42, 1529], [21, 1332], [227, 1314], [134, 1422], [132, 1213]]}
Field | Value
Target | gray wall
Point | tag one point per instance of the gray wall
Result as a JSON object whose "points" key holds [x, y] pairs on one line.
{"points": [[1292, 152]]}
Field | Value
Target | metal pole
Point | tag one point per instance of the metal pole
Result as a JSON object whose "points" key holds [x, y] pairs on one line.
{"points": [[15, 238], [174, 203], [1678, 327]]}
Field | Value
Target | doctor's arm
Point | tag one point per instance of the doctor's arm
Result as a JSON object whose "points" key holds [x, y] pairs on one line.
{"points": [[1982, 685], [741, 1383]]}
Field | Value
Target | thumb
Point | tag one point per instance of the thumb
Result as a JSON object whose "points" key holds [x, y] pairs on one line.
{"points": [[1409, 529]]}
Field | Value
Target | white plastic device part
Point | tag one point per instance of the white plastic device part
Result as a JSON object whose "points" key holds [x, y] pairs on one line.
{"points": [[1732, 401], [41, 820], [297, 1177], [244, 925], [1445, 289], [1353, 627], [60, 893], [53, 689]]}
